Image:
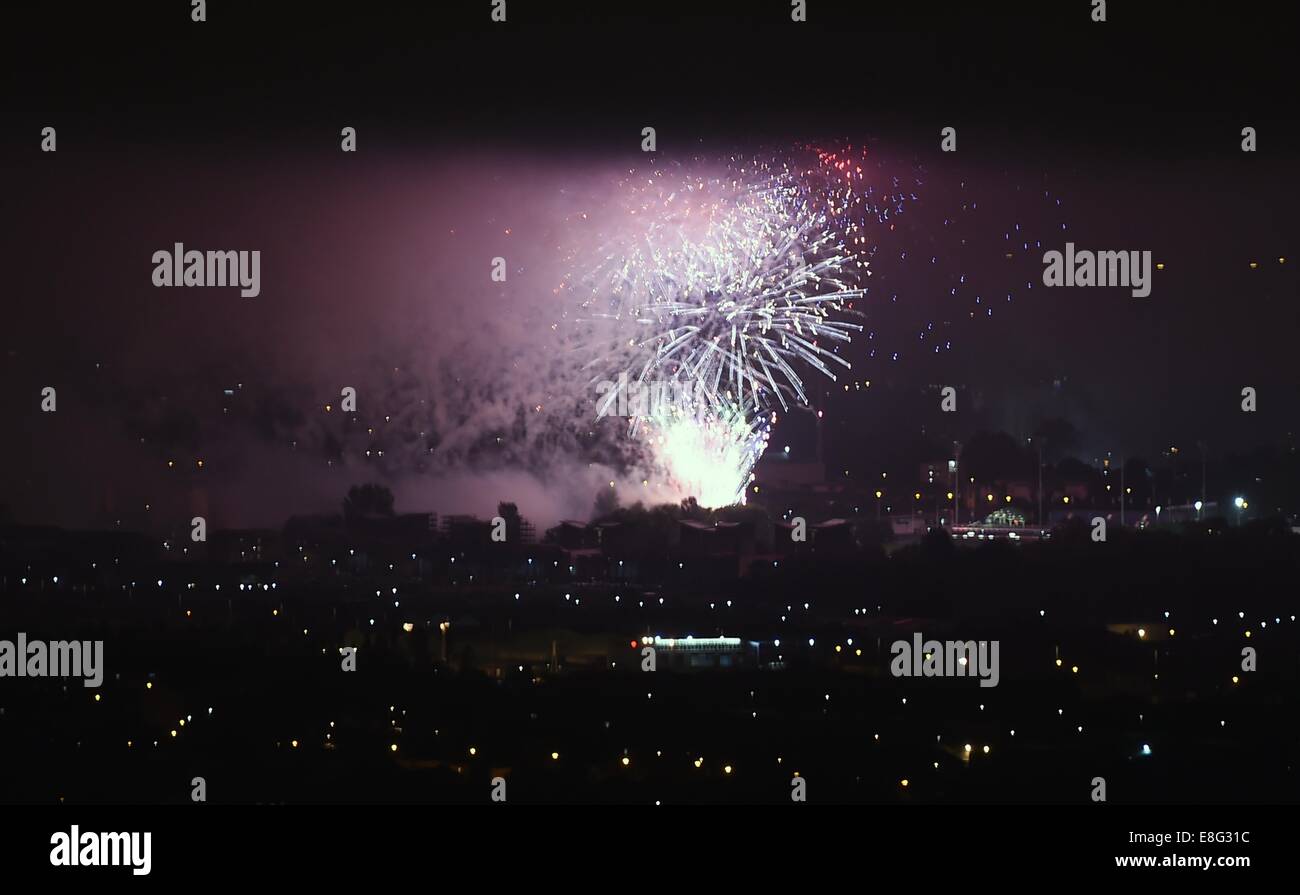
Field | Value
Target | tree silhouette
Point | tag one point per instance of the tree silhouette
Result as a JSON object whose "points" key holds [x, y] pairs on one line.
{"points": [[1059, 438], [605, 504], [994, 456], [691, 509], [367, 500]]}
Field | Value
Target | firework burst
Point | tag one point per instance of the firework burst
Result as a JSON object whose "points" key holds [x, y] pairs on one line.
{"points": [[730, 282], [707, 452], [727, 282]]}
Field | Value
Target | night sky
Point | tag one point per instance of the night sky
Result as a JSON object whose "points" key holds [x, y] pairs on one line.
{"points": [[225, 136]]}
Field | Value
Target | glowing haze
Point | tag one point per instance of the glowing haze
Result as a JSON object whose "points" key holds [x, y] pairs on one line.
{"points": [[743, 277]]}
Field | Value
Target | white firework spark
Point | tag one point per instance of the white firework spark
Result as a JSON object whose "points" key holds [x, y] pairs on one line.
{"points": [[725, 283], [729, 283], [708, 453]]}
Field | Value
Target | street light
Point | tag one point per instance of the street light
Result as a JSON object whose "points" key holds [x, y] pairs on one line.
{"points": [[955, 470]]}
